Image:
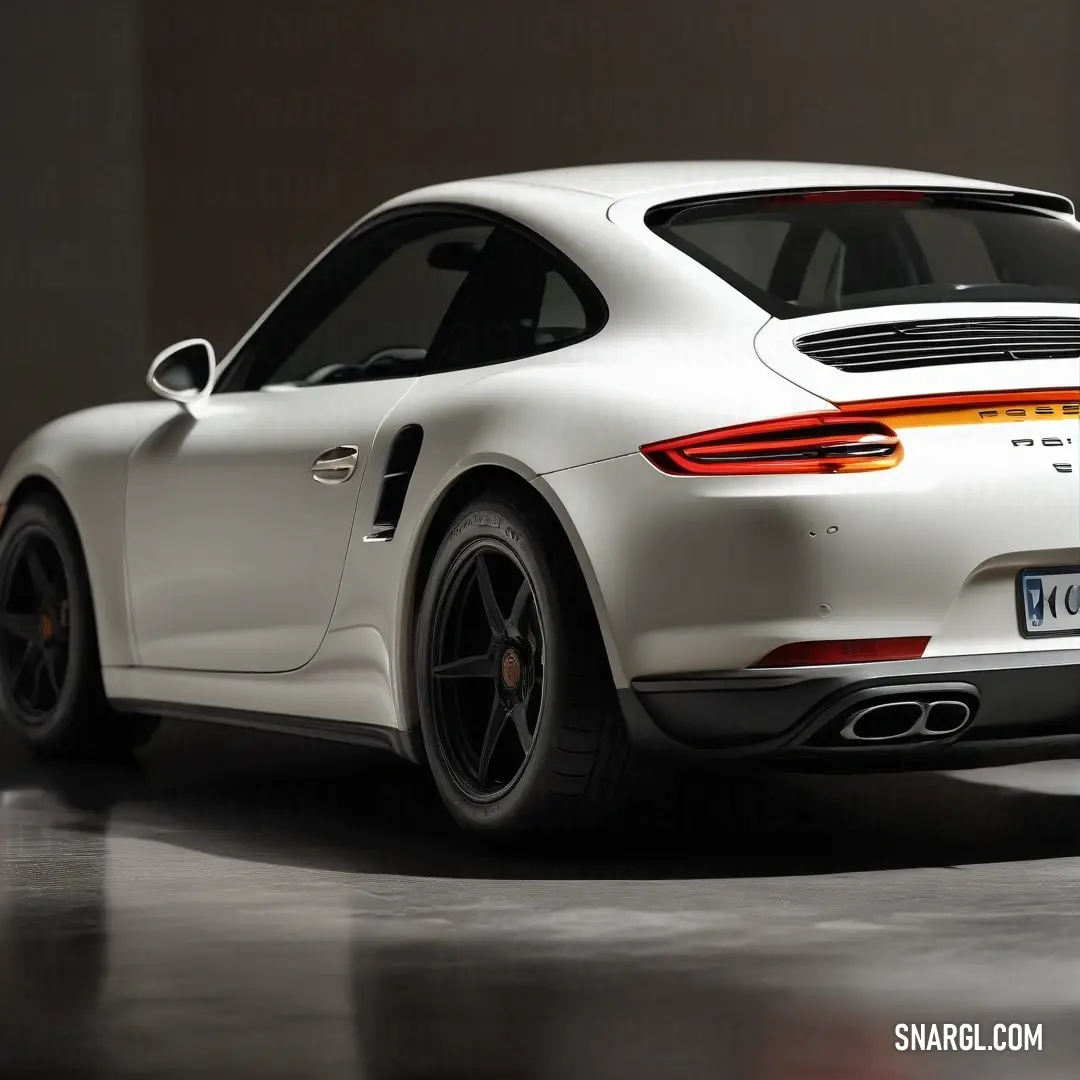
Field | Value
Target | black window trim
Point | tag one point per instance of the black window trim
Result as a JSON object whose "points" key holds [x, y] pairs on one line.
{"points": [[588, 293], [656, 217]]}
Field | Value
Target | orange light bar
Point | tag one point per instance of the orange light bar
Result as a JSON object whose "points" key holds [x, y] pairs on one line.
{"points": [[1004, 406], [864, 651]]}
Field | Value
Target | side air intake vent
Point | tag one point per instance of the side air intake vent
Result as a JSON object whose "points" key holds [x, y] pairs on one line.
{"points": [[888, 346], [400, 463]]}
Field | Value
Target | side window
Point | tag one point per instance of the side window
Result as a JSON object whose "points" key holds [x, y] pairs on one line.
{"points": [[522, 299], [562, 315], [370, 310]]}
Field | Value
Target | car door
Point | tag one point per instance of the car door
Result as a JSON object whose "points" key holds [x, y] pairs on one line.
{"points": [[239, 509]]}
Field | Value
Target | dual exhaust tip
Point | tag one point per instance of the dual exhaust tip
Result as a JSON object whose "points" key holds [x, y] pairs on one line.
{"points": [[902, 719]]}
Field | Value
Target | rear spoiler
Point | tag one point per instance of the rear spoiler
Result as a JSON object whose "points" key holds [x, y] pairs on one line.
{"points": [[1034, 200]]}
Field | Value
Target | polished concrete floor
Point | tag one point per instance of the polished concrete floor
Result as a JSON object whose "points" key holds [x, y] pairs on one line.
{"points": [[243, 905]]}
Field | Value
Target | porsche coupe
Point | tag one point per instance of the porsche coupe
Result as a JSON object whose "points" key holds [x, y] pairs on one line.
{"points": [[531, 477]]}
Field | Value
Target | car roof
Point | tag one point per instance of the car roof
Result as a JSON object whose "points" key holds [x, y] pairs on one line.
{"points": [[621, 181]]}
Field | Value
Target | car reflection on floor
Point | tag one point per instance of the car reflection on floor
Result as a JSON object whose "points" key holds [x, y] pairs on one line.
{"points": [[246, 906]]}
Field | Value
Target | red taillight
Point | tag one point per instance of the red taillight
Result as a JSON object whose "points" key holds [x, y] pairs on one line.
{"points": [[865, 651], [859, 437], [816, 443]]}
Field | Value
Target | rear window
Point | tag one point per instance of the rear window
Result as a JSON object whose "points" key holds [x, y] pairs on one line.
{"points": [[832, 251]]}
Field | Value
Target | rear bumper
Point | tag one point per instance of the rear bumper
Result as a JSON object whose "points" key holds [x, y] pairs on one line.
{"points": [[1028, 708]]}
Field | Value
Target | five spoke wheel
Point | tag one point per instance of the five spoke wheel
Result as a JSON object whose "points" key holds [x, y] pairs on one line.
{"points": [[34, 625], [487, 670]]}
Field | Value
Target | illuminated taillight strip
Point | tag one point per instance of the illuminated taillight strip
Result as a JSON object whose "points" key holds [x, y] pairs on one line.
{"points": [[815, 443], [858, 437], [1006, 406]]}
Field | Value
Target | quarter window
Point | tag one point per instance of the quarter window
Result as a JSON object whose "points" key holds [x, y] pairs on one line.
{"points": [[522, 299]]}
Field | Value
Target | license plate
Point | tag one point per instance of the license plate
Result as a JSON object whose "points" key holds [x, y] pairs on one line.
{"points": [[1049, 601]]}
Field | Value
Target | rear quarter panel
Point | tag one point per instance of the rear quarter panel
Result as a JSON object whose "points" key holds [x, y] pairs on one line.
{"points": [[675, 356], [596, 401]]}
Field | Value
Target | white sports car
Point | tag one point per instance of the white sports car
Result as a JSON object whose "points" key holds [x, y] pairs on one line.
{"points": [[524, 476]]}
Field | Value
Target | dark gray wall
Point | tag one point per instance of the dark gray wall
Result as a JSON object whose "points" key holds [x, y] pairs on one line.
{"points": [[270, 124], [274, 123], [72, 247]]}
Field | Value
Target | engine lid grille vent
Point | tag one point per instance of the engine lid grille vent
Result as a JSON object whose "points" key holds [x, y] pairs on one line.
{"points": [[891, 346]]}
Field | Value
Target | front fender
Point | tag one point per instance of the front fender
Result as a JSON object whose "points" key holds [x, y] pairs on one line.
{"points": [[84, 457]]}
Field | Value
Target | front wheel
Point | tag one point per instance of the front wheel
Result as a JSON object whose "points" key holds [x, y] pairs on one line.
{"points": [[519, 717], [51, 694]]}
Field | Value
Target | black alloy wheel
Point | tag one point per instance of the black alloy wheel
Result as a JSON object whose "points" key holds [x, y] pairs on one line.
{"points": [[487, 670], [520, 722], [51, 693], [34, 625]]}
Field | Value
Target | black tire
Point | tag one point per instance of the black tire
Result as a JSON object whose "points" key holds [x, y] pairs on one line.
{"points": [[51, 693], [572, 739]]}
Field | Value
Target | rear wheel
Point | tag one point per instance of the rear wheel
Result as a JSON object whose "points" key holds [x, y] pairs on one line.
{"points": [[51, 694], [519, 716]]}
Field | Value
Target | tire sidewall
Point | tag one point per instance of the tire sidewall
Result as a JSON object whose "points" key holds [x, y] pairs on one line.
{"points": [[41, 518], [500, 524]]}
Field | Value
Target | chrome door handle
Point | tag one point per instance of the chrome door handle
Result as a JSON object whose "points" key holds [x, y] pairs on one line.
{"points": [[336, 465]]}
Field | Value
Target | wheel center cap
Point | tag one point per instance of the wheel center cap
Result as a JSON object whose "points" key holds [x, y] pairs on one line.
{"points": [[510, 669]]}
